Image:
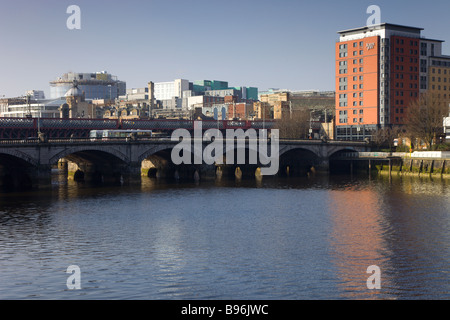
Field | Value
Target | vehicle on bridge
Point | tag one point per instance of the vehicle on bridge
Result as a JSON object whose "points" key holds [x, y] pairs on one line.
{"points": [[119, 134]]}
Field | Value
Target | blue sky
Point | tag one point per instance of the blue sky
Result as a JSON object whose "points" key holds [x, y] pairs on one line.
{"points": [[285, 44]]}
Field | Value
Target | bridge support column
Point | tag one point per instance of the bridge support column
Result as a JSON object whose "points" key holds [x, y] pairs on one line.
{"points": [[109, 174], [188, 172], [30, 178], [228, 171], [248, 171], [322, 166], [43, 176], [208, 171], [132, 174], [74, 172], [88, 172]]}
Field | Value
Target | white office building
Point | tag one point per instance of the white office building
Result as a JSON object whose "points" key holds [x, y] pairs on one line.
{"points": [[35, 94], [170, 90], [36, 109]]}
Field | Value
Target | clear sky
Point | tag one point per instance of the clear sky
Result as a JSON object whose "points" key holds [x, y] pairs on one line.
{"points": [[285, 44]]}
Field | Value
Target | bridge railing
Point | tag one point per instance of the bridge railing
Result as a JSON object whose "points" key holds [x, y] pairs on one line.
{"points": [[35, 141], [79, 124], [153, 124], [163, 124], [373, 155], [19, 123], [157, 124]]}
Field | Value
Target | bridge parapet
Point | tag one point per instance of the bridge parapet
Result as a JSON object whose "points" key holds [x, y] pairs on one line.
{"points": [[377, 155]]}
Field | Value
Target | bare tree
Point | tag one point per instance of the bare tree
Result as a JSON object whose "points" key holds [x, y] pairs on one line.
{"points": [[295, 126], [392, 134], [386, 136], [379, 137], [424, 118]]}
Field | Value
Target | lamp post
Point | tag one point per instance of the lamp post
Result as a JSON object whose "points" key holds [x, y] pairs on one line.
{"points": [[310, 123], [290, 109], [27, 99], [264, 115]]}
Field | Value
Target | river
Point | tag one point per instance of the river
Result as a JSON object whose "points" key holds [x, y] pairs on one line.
{"points": [[269, 239]]}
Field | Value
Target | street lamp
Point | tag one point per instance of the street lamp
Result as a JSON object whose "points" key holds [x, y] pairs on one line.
{"points": [[290, 109], [264, 115], [310, 122]]}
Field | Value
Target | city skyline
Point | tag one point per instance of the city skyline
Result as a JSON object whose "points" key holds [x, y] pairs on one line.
{"points": [[263, 44]]}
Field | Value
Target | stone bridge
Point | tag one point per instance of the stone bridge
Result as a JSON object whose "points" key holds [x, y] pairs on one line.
{"points": [[24, 164]]}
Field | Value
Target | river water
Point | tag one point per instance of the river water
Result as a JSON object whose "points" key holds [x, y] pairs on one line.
{"points": [[271, 239]]}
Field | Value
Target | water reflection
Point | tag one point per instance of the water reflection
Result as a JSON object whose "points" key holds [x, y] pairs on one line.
{"points": [[416, 226], [356, 239], [272, 238], [402, 226]]}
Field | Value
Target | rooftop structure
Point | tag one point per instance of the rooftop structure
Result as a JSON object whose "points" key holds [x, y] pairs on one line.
{"points": [[99, 85]]}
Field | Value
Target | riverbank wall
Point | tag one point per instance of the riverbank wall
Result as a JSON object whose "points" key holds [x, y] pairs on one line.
{"points": [[433, 164]]}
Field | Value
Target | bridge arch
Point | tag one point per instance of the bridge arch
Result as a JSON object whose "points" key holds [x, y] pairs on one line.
{"points": [[299, 160], [23, 157], [105, 150], [155, 150], [156, 162], [94, 163], [314, 149], [337, 164], [336, 151], [244, 164], [17, 170]]}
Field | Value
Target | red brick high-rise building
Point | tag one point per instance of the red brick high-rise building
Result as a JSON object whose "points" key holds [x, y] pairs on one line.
{"points": [[380, 70]]}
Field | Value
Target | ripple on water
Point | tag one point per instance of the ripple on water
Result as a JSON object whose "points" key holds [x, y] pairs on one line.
{"points": [[279, 239]]}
